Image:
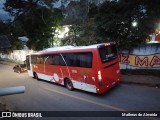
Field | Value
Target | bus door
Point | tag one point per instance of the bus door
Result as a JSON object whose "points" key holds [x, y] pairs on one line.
{"points": [[109, 72], [28, 64]]}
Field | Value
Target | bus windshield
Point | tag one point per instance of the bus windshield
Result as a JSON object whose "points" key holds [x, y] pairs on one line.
{"points": [[108, 53]]}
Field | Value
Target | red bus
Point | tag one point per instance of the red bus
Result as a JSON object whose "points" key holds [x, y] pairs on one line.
{"points": [[92, 68]]}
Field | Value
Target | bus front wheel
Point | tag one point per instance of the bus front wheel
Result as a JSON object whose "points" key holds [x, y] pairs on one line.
{"points": [[68, 84], [36, 76]]}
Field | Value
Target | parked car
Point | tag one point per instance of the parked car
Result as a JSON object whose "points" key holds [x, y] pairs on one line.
{"points": [[19, 68]]}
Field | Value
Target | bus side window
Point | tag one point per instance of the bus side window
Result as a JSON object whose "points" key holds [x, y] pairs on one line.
{"points": [[34, 59], [86, 60], [67, 58], [41, 59], [55, 59], [38, 59], [78, 59], [48, 60], [61, 61]]}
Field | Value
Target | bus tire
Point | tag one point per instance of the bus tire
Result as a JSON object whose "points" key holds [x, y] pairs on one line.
{"points": [[69, 84], [36, 76], [18, 71]]}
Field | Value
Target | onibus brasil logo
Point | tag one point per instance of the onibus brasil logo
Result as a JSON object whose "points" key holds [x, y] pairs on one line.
{"points": [[19, 114]]}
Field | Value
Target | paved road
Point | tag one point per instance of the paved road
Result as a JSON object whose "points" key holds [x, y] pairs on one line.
{"points": [[45, 96]]}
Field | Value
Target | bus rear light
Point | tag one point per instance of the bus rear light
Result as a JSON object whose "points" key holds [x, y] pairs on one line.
{"points": [[99, 72], [99, 77], [97, 89], [107, 44]]}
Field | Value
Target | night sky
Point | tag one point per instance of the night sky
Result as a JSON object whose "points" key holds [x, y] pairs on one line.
{"points": [[3, 15]]}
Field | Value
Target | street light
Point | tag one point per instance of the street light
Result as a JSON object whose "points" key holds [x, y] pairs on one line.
{"points": [[134, 23]]}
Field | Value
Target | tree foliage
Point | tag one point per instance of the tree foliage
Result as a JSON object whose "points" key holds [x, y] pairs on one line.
{"points": [[114, 21], [12, 33], [41, 26], [90, 23], [38, 20], [78, 14]]}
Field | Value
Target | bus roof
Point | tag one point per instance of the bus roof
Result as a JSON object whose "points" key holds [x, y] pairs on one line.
{"points": [[68, 48]]}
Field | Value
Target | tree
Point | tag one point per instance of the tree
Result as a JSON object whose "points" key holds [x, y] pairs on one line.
{"points": [[76, 12], [88, 33], [73, 35], [79, 15], [115, 18], [38, 20], [12, 34], [41, 29]]}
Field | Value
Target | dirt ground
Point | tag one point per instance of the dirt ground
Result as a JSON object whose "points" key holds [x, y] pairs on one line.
{"points": [[3, 107]]}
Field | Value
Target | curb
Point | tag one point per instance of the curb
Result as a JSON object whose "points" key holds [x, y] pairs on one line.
{"points": [[7, 63], [141, 84]]}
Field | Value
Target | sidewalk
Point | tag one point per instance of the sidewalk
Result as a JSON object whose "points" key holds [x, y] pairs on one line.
{"points": [[146, 80], [8, 63]]}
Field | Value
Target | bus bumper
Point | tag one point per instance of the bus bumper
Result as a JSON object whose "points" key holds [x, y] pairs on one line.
{"points": [[104, 89]]}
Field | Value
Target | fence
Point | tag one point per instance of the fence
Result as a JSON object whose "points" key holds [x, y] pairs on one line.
{"points": [[16, 55], [143, 57]]}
